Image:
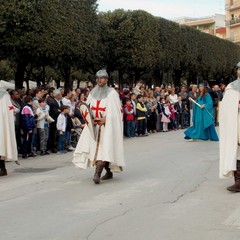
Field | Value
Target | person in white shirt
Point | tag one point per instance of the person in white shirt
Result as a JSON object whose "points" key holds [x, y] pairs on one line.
{"points": [[61, 128], [43, 121], [173, 97], [67, 99]]}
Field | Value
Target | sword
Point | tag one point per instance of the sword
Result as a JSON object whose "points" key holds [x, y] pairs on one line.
{"points": [[201, 106]]}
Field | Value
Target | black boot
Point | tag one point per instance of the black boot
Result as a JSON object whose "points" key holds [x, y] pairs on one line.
{"points": [[98, 172], [109, 174], [3, 171], [236, 186]]}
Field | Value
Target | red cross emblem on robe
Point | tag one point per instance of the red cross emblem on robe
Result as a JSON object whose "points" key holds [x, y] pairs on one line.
{"points": [[84, 115], [98, 109], [11, 108]]}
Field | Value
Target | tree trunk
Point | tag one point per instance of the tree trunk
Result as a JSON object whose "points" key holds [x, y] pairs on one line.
{"points": [[66, 72], [177, 78], [120, 79], [19, 76], [137, 75], [78, 83]]}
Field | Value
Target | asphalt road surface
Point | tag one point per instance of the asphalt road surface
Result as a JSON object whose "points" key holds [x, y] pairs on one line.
{"points": [[169, 190]]}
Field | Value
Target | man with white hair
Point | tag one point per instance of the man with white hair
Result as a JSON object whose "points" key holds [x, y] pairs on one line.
{"points": [[8, 146], [229, 132], [54, 102], [107, 150]]}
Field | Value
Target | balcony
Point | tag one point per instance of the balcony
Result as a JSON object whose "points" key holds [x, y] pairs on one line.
{"points": [[229, 7], [233, 22]]}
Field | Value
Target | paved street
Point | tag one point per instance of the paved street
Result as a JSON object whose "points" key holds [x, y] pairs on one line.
{"points": [[170, 190]]}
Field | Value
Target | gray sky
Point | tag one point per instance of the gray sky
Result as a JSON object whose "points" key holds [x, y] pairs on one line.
{"points": [[167, 8]]}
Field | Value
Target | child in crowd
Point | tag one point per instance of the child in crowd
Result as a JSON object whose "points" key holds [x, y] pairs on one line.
{"points": [[141, 116], [43, 121], [180, 112], [166, 116], [173, 116], [27, 124], [129, 119], [61, 127]]}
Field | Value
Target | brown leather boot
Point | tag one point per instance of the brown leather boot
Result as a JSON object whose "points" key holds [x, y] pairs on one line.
{"points": [[109, 174], [236, 186], [3, 171], [98, 172]]}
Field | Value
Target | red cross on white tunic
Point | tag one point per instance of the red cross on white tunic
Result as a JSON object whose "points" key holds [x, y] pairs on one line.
{"points": [[98, 109], [85, 117]]}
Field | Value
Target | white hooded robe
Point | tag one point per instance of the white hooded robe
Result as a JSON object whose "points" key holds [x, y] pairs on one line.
{"points": [[8, 146], [229, 127], [111, 141]]}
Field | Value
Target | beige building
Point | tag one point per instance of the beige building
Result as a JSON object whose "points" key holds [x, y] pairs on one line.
{"points": [[233, 20], [214, 25]]}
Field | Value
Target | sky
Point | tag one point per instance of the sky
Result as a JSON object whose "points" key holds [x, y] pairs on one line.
{"points": [[167, 8]]}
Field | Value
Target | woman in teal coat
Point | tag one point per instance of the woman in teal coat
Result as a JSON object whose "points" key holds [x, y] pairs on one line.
{"points": [[203, 118]]}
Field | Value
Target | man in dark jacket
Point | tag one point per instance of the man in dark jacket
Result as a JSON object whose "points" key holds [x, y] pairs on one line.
{"points": [[54, 102], [181, 115]]}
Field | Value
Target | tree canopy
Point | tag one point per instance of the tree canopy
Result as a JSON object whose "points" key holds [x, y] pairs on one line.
{"points": [[66, 36]]}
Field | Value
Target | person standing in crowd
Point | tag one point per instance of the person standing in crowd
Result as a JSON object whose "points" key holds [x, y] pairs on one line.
{"points": [[173, 117], [194, 95], [223, 88], [203, 118], [43, 121], [107, 150], [166, 116], [78, 93], [35, 105], [73, 102], [218, 96], [82, 98], [184, 94], [61, 128], [54, 102], [159, 114], [141, 116], [133, 98], [8, 147], [67, 98], [67, 102], [157, 92], [152, 119], [137, 89], [229, 130], [180, 118], [27, 124], [173, 97], [17, 109], [129, 119]]}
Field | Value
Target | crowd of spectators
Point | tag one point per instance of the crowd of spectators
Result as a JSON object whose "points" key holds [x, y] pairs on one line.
{"points": [[47, 120], [163, 108]]}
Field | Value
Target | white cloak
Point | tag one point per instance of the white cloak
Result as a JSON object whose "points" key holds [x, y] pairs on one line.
{"points": [[228, 132], [111, 141], [8, 146]]}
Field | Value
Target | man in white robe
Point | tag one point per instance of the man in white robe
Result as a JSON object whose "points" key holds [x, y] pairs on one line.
{"points": [[106, 107], [229, 132], [8, 146]]}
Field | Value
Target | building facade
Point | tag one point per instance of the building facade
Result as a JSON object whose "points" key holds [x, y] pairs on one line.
{"points": [[232, 8], [214, 25]]}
